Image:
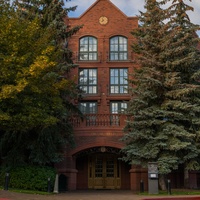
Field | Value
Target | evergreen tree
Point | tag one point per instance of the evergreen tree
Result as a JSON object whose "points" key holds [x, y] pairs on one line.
{"points": [[35, 92], [182, 102], [157, 130], [145, 139]]}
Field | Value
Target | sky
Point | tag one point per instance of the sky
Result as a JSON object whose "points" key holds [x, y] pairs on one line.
{"points": [[131, 8]]}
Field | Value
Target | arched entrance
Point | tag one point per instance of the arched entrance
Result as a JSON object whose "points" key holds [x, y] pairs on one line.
{"points": [[104, 171], [101, 168]]}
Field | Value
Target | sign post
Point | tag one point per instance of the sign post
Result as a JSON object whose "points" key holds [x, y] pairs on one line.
{"points": [[153, 177]]}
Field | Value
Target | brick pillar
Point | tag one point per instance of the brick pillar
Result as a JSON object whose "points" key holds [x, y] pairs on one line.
{"points": [[193, 179], [67, 167], [136, 175], [71, 175], [135, 178], [144, 177], [71, 172]]}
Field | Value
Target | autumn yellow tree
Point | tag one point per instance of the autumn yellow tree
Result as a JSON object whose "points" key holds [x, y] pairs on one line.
{"points": [[35, 93]]}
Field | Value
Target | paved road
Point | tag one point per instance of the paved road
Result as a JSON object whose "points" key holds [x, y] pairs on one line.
{"points": [[82, 195]]}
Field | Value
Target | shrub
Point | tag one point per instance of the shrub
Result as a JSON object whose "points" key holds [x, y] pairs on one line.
{"points": [[29, 177]]}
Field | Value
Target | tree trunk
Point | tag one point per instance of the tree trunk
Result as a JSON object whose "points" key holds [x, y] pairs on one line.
{"points": [[162, 183], [186, 177]]}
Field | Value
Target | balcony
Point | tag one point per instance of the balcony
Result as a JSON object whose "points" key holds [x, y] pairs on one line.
{"points": [[99, 121]]}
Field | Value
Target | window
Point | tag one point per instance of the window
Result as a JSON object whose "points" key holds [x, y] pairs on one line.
{"points": [[88, 80], [118, 107], [88, 49], [118, 81], [115, 109], [118, 48], [88, 107]]}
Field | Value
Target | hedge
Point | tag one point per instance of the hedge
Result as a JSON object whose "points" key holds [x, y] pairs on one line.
{"points": [[29, 177]]}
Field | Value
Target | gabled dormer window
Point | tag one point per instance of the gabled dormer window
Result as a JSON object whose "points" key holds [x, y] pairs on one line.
{"points": [[118, 48], [88, 49]]}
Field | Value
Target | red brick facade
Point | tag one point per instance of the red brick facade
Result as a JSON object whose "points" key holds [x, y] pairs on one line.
{"points": [[101, 140]]}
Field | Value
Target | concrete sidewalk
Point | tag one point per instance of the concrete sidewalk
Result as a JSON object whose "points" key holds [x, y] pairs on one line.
{"points": [[87, 195]]}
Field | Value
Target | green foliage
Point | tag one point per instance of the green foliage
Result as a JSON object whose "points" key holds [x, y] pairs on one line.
{"points": [[29, 177], [165, 107], [145, 138], [35, 91]]}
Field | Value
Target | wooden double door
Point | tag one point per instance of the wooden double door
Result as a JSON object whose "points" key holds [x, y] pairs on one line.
{"points": [[104, 172]]}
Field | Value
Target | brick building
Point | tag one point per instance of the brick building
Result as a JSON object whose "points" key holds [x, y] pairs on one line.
{"points": [[102, 50]]}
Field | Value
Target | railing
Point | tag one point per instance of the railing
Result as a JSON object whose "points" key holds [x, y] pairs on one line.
{"points": [[99, 120]]}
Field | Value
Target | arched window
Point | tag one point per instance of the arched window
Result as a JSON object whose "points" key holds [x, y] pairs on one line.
{"points": [[88, 48], [118, 48]]}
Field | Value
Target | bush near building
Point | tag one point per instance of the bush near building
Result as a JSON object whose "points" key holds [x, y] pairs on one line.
{"points": [[29, 177]]}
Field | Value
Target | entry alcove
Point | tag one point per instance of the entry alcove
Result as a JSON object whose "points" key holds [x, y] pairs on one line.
{"points": [[102, 168]]}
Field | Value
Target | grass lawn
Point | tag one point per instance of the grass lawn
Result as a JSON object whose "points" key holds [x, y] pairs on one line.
{"points": [[27, 191], [175, 192]]}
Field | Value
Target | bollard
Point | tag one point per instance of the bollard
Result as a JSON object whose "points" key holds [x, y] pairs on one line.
{"points": [[55, 190], [49, 185], [169, 187], [6, 181], [141, 186]]}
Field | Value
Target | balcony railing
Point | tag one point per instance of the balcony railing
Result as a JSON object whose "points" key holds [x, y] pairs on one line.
{"points": [[99, 120]]}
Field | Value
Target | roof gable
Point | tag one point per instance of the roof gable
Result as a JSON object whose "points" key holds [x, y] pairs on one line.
{"points": [[112, 6]]}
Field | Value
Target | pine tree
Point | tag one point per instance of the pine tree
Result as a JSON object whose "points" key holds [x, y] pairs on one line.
{"points": [[161, 129], [181, 57], [145, 139], [35, 92]]}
